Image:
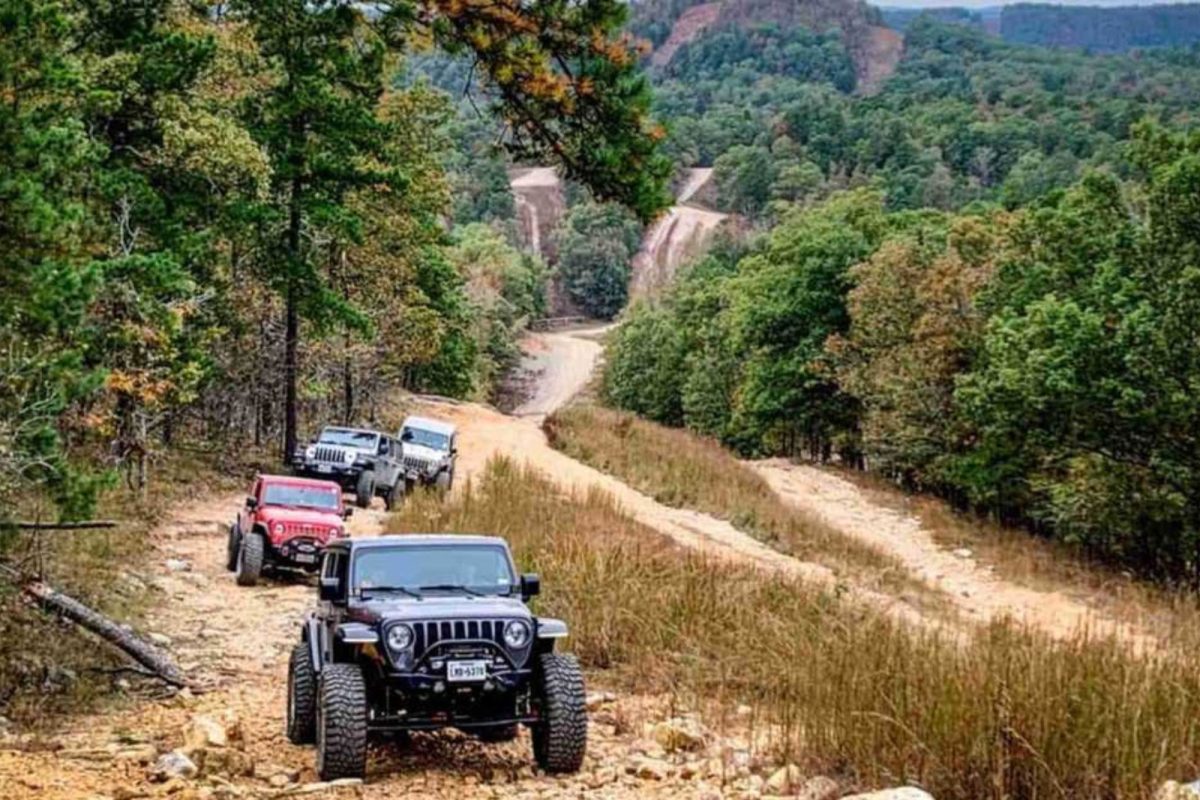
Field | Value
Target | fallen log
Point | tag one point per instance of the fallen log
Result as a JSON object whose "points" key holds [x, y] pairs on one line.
{"points": [[66, 526], [137, 648]]}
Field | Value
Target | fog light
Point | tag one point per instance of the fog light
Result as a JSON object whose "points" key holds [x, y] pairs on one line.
{"points": [[439, 687]]}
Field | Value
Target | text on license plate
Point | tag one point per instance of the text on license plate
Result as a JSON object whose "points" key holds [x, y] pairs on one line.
{"points": [[306, 558], [466, 670], [324, 468]]}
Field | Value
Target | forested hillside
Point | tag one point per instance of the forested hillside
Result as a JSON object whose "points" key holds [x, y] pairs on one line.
{"points": [[224, 221], [975, 283], [1112, 29]]}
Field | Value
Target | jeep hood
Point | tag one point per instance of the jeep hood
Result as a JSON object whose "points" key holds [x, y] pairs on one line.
{"points": [[300, 516], [396, 607], [422, 452]]}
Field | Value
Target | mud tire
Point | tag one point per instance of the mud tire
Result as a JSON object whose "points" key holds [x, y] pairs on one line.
{"points": [[342, 723], [231, 548], [249, 564], [444, 480], [302, 697], [364, 490], [560, 736], [395, 495]]}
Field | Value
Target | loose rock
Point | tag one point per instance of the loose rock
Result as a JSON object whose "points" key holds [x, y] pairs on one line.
{"points": [[174, 765], [1171, 790], [178, 565], [901, 793], [784, 780], [818, 788], [680, 733]]}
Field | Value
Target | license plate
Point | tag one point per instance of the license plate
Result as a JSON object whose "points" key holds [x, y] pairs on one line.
{"points": [[306, 558], [324, 468], [466, 670]]}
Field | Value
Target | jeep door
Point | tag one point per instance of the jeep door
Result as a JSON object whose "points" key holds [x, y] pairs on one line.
{"points": [[387, 465]]}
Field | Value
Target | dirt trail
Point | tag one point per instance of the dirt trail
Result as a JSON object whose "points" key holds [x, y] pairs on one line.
{"points": [[973, 588], [563, 362]]}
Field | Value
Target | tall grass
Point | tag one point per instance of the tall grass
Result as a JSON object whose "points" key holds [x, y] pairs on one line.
{"points": [[1007, 714], [678, 468]]}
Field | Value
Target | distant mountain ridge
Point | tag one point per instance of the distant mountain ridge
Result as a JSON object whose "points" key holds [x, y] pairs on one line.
{"points": [[1100, 28], [671, 24]]}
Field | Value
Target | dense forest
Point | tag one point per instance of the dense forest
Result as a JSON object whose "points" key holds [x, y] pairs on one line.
{"points": [[979, 282], [231, 221], [1100, 29]]}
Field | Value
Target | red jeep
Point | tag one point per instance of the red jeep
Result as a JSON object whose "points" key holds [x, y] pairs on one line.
{"points": [[286, 523]]}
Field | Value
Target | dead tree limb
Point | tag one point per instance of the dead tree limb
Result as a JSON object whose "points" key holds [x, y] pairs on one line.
{"points": [[66, 526], [137, 648]]}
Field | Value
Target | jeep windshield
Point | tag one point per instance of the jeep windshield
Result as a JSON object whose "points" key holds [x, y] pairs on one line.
{"points": [[434, 569], [284, 494], [423, 438], [359, 440]]}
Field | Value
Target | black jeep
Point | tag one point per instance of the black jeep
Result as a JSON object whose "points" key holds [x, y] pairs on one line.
{"points": [[362, 461], [418, 632]]}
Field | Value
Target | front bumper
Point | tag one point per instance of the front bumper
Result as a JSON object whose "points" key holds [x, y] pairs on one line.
{"points": [[298, 552], [345, 475], [427, 701]]}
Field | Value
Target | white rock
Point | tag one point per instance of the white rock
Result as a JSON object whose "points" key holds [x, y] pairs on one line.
{"points": [[962, 552], [819, 788], [784, 780], [158, 639], [901, 793], [204, 732], [178, 565], [1172, 790], [174, 765], [597, 699]]}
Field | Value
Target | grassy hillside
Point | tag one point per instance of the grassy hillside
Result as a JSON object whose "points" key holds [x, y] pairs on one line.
{"points": [[1006, 714]]}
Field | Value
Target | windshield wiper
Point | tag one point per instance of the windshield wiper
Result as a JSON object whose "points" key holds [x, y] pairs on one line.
{"points": [[417, 595], [452, 587]]}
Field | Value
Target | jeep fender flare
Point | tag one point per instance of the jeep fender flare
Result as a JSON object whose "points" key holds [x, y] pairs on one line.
{"points": [[550, 628], [312, 634]]}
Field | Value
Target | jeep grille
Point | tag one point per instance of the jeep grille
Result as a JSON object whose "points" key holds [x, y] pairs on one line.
{"points": [[419, 464], [334, 454], [447, 632]]}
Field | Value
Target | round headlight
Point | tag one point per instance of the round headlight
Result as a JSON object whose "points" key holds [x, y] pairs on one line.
{"points": [[348, 456], [310, 451], [516, 634], [278, 528], [399, 637]]}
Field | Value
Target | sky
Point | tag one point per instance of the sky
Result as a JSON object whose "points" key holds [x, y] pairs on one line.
{"points": [[986, 3]]}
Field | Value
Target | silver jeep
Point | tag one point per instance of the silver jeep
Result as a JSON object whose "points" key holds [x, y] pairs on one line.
{"points": [[429, 452]]}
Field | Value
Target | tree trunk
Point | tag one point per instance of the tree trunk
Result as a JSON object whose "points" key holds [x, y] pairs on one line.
{"points": [[137, 648], [292, 329]]}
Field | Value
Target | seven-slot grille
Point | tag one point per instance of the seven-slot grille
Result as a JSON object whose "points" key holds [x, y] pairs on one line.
{"points": [[419, 464], [430, 632], [334, 454]]}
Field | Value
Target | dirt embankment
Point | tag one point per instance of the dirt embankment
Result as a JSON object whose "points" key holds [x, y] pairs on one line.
{"points": [[678, 236]]}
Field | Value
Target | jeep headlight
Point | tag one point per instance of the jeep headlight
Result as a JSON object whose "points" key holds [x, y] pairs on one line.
{"points": [[310, 452], [348, 456], [516, 634], [399, 637], [277, 528]]}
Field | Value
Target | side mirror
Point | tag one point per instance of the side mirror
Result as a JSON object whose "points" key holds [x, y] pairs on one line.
{"points": [[347, 512], [531, 585], [330, 589], [251, 503]]}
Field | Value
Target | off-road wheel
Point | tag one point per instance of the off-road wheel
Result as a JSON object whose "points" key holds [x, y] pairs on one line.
{"points": [[444, 480], [231, 548], [364, 490], [250, 559], [342, 723], [302, 697], [496, 733], [395, 495], [560, 736]]}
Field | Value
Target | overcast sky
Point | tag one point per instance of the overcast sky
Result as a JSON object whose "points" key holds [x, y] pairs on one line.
{"points": [[984, 3]]}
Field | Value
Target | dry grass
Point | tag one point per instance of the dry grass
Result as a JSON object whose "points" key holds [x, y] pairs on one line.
{"points": [[679, 469], [1006, 714], [48, 667]]}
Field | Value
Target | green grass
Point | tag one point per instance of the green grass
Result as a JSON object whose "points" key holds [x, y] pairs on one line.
{"points": [[1005, 714]]}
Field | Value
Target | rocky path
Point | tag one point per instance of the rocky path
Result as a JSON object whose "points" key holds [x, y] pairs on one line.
{"points": [[973, 588]]}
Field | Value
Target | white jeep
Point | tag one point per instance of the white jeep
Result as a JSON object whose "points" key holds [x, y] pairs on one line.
{"points": [[430, 450]]}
